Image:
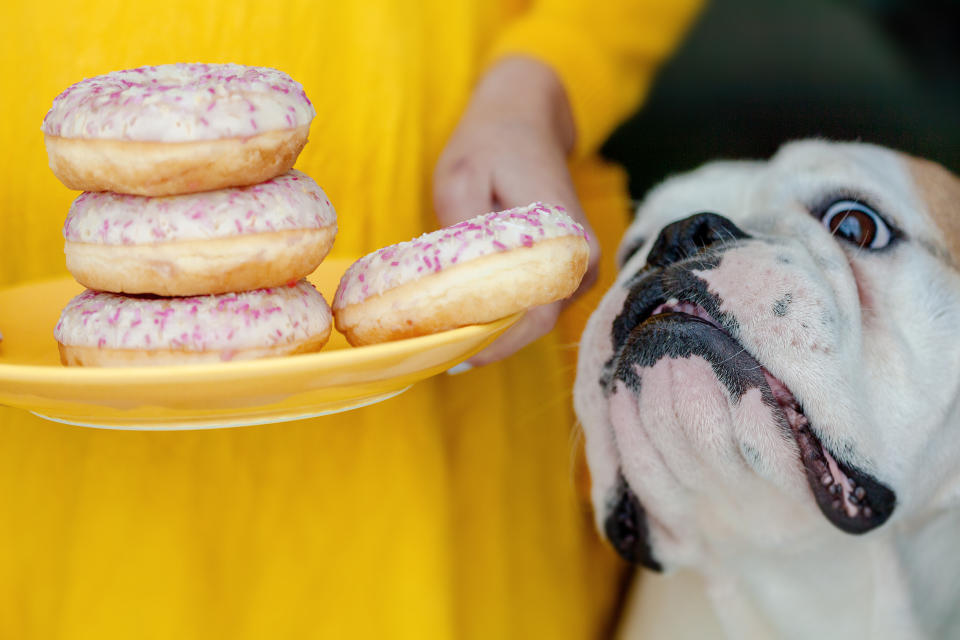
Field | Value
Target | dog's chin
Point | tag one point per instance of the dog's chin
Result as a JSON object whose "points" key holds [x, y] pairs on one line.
{"points": [[848, 497]]}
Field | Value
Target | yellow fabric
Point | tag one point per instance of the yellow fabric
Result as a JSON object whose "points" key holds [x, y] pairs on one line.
{"points": [[605, 52], [453, 511]]}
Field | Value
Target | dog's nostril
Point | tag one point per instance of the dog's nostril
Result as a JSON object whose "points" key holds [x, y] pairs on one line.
{"points": [[687, 237], [626, 528]]}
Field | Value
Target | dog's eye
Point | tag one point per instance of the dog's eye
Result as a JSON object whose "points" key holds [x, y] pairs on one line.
{"points": [[857, 223]]}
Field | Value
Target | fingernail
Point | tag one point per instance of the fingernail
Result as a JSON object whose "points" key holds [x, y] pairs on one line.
{"points": [[463, 367]]}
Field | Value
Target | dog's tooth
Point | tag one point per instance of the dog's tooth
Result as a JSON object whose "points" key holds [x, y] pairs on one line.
{"points": [[835, 489], [826, 479], [852, 499], [860, 492], [867, 512]]}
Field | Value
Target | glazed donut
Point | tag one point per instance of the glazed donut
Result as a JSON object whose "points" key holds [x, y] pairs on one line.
{"points": [[476, 271], [235, 239], [105, 329], [177, 128]]}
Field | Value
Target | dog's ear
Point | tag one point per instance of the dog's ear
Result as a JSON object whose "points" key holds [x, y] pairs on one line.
{"points": [[940, 190]]}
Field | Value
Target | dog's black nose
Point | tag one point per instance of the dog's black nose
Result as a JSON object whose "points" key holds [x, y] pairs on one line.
{"points": [[626, 528], [687, 237]]}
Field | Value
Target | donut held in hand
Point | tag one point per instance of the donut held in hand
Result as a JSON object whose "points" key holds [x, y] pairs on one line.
{"points": [[477, 271], [177, 128], [235, 239], [105, 329]]}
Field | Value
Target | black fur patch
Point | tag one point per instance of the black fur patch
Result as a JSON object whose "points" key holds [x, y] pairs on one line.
{"points": [[678, 335], [780, 306], [626, 528]]}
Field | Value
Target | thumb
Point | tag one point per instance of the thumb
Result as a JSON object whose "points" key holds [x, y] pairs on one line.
{"points": [[535, 323], [460, 191]]}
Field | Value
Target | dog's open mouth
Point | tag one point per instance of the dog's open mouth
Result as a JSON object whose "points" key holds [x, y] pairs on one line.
{"points": [[851, 499]]}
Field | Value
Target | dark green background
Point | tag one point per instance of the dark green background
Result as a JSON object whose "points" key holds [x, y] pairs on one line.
{"points": [[753, 74]]}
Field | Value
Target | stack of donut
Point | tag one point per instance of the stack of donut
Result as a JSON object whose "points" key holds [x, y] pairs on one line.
{"points": [[193, 234]]}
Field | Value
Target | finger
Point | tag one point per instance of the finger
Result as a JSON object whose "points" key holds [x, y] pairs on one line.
{"points": [[535, 323], [536, 171], [461, 190], [544, 177], [568, 200]]}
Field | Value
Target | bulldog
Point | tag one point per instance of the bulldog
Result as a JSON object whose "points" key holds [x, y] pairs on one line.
{"points": [[770, 395]]}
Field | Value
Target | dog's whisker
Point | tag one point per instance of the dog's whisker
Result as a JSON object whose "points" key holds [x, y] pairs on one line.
{"points": [[574, 443], [738, 353]]}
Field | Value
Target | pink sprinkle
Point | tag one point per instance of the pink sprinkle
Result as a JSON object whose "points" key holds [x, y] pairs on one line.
{"points": [[499, 245]]}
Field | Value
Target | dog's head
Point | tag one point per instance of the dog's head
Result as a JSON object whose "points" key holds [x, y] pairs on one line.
{"points": [[779, 357]]}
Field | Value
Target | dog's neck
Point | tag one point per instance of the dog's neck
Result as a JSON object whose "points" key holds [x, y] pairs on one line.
{"points": [[881, 586]]}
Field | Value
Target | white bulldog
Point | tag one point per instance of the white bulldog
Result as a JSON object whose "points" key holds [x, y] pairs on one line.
{"points": [[771, 399]]}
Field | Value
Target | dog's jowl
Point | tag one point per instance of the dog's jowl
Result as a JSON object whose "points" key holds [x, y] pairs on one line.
{"points": [[770, 393]]}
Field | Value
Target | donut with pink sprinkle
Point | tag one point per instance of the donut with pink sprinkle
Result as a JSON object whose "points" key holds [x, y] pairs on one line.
{"points": [[476, 271], [235, 239], [105, 329], [177, 128]]}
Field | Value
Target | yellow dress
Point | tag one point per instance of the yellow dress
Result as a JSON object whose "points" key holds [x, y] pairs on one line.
{"points": [[455, 510]]}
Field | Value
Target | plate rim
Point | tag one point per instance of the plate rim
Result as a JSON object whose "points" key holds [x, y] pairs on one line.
{"points": [[60, 374]]}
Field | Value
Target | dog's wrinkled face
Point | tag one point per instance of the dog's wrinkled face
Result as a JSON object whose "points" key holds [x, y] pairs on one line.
{"points": [[779, 358]]}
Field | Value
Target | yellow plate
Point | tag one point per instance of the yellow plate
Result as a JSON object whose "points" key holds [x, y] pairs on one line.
{"points": [[204, 396]]}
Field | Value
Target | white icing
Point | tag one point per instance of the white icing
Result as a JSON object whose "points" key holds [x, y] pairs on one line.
{"points": [[483, 235], [180, 103], [288, 202], [232, 321]]}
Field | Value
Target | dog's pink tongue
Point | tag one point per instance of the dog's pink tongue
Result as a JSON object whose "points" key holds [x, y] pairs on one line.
{"points": [[832, 477]]}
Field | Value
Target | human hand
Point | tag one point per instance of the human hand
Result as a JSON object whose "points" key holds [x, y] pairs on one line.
{"points": [[509, 150]]}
